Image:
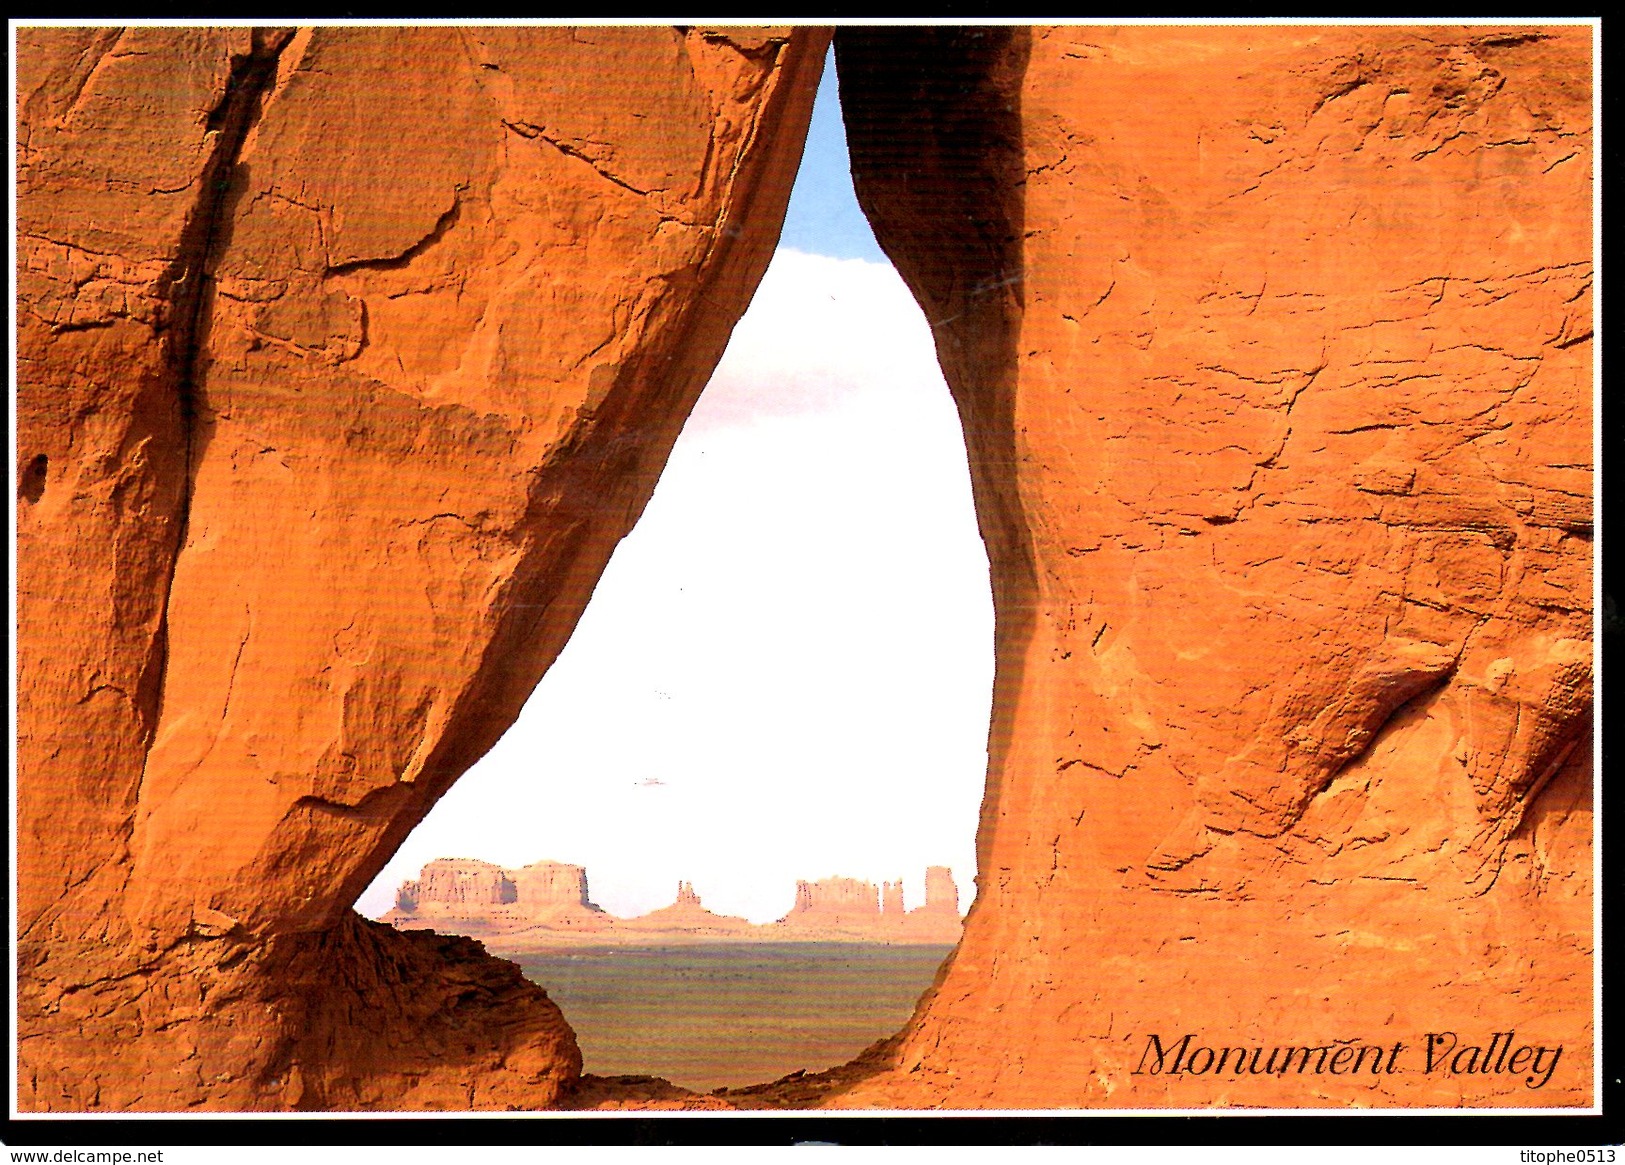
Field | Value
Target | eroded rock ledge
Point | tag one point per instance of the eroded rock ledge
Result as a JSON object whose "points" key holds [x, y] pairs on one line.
{"points": [[339, 382]]}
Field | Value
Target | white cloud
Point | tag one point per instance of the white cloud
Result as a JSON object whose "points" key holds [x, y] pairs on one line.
{"points": [[796, 640], [820, 332]]}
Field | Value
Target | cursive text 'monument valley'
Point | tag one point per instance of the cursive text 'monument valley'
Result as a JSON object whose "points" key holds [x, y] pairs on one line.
{"points": [[1441, 1052]]}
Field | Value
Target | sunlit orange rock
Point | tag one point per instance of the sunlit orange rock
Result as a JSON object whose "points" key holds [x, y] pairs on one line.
{"points": [[347, 356], [1273, 349]]}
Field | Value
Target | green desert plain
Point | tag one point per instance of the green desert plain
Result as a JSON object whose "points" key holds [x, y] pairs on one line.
{"points": [[732, 1014]]}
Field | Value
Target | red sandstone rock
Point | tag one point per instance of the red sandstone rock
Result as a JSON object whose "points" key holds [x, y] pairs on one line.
{"points": [[347, 356], [494, 292], [117, 150], [1272, 347]]}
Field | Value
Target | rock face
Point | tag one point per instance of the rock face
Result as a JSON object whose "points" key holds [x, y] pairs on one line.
{"points": [[1273, 351], [347, 355], [457, 884], [830, 901], [546, 888], [339, 378]]}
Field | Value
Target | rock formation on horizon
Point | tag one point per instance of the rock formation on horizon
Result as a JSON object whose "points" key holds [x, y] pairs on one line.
{"points": [[346, 355], [832, 901], [452, 883], [941, 892], [546, 903], [477, 898], [687, 916], [848, 908]]}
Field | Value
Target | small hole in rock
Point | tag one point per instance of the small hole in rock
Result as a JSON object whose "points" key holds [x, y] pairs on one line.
{"points": [[31, 482]]}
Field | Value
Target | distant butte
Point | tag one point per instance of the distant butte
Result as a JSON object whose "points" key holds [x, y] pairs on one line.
{"points": [[547, 904]]}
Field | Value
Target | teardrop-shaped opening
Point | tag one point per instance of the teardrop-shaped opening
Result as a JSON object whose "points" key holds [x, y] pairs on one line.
{"points": [[708, 834]]}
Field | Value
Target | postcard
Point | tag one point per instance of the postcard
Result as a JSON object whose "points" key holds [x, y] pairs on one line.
{"points": [[612, 572]]}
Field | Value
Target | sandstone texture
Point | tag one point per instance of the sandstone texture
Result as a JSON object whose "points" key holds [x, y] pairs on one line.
{"points": [[346, 356], [1273, 351]]}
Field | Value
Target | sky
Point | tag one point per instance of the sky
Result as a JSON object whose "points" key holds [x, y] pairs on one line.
{"points": [[785, 671], [824, 217]]}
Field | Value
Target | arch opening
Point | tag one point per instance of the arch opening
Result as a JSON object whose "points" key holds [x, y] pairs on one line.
{"points": [[784, 677]]}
